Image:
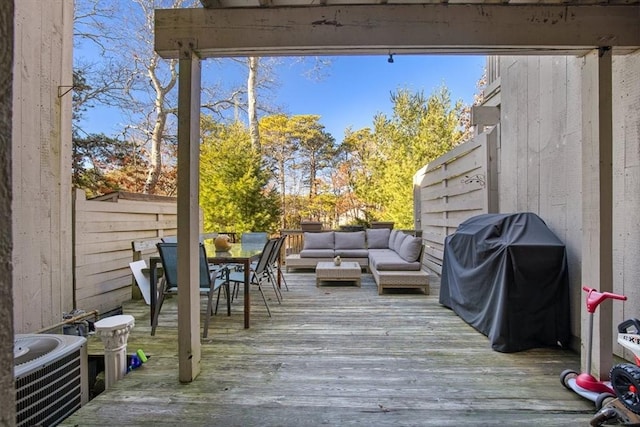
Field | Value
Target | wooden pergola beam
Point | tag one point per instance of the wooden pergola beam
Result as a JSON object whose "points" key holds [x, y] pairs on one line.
{"points": [[383, 29]]}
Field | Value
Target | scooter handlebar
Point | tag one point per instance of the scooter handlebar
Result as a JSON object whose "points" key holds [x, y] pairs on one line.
{"points": [[595, 298]]}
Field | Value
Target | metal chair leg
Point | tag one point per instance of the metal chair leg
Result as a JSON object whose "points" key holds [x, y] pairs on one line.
{"points": [[282, 279], [264, 299], [154, 324]]}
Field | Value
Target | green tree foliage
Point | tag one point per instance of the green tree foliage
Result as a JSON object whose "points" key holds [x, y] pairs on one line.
{"points": [[316, 149], [419, 130], [297, 149], [235, 190], [278, 143]]}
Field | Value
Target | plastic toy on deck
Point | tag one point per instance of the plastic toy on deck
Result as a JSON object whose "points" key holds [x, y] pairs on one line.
{"points": [[585, 384]]}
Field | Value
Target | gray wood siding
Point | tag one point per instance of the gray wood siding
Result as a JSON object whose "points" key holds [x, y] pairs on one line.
{"points": [[41, 159], [626, 183], [541, 168]]}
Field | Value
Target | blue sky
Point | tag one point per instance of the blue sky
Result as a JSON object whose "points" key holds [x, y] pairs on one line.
{"points": [[352, 90], [356, 88]]}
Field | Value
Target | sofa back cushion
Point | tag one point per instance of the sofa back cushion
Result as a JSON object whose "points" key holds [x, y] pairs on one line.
{"points": [[349, 240], [378, 238], [410, 248], [392, 237], [398, 241], [321, 240]]}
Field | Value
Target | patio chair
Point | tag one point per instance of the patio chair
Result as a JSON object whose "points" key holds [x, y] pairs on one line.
{"points": [[274, 267], [258, 274], [211, 279]]}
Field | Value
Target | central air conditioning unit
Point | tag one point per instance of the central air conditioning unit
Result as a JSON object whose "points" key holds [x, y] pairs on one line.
{"points": [[51, 375]]}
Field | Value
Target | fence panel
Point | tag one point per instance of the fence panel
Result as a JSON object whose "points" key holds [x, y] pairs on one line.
{"points": [[454, 187], [103, 234]]}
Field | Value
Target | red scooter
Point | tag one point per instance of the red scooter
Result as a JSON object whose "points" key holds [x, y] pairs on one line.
{"points": [[585, 384]]}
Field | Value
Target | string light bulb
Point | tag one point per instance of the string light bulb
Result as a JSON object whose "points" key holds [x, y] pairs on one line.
{"points": [[390, 59]]}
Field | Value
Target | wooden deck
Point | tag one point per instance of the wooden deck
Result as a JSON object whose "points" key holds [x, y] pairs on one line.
{"points": [[337, 355]]}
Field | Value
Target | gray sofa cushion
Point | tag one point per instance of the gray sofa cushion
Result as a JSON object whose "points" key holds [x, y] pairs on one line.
{"points": [[321, 240], [410, 248], [397, 265], [388, 260], [352, 253], [378, 238], [349, 240], [316, 253]]}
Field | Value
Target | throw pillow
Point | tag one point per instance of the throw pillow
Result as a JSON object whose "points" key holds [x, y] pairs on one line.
{"points": [[378, 238], [321, 240], [349, 239], [410, 248]]}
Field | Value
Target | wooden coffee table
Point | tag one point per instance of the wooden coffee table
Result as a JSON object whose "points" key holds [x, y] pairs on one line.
{"points": [[345, 272]]}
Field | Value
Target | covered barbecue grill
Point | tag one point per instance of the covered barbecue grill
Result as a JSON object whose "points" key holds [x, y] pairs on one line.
{"points": [[506, 275]]}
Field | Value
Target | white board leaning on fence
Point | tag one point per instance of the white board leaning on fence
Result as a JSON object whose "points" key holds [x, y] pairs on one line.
{"points": [[141, 274]]}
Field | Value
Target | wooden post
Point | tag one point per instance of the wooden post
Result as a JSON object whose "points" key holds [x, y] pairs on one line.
{"points": [[7, 382], [189, 350], [597, 190]]}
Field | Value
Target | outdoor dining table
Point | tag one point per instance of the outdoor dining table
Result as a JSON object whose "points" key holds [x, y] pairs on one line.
{"points": [[238, 254]]}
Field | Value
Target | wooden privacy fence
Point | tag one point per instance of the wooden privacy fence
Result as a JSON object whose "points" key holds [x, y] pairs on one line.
{"points": [[454, 187], [103, 234]]}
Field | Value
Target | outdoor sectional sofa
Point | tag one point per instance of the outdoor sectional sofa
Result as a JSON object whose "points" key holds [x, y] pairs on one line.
{"points": [[393, 257]]}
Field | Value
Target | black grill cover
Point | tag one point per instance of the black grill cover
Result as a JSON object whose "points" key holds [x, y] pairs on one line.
{"points": [[506, 275]]}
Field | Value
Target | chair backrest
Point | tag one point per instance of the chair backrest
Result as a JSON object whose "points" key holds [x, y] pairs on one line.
{"points": [[265, 256], [170, 239], [205, 274], [169, 256], [254, 237], [275, 253]]}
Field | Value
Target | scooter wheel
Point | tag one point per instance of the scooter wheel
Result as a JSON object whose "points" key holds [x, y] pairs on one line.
{"points": [[566, 375], [603, 399], [625, 381]]}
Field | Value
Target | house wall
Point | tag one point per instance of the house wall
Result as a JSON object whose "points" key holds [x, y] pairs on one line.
{"points": [[540, 160], [626, 183], [41, 153]]}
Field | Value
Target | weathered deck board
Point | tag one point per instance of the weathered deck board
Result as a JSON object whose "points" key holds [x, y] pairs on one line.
{"points": [[338, 355]]}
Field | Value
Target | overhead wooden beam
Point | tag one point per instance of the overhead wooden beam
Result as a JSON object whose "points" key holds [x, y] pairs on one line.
{"points": [[210, 4], [384, 28]]}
